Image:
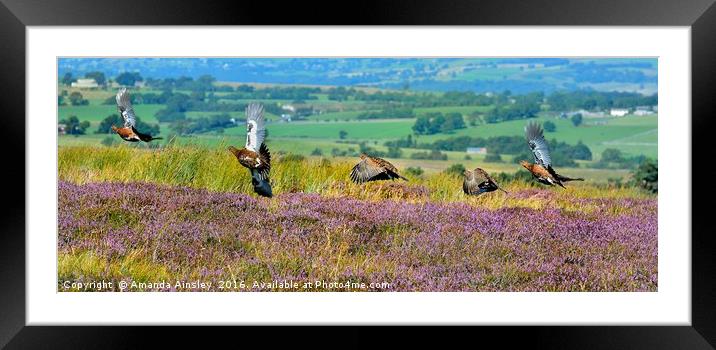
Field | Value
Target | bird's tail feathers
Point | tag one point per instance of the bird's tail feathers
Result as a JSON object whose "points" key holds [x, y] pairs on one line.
{"points": [[566, 179], [261, 183]]}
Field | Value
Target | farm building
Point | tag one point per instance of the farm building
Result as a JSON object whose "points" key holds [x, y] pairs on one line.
{"points": [[85, 84], [641, 112], [286, 117], [618, 112], [476, 150], [644, 110]]}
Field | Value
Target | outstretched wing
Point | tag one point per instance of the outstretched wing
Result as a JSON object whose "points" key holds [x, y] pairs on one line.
{"points": [[255, 126], [482, 176], [125, 108], [366, 171], [265, 166], [538, 145], [469, 186]]}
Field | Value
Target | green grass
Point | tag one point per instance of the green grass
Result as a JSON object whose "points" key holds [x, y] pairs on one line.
{"points": [[596, 137], [357, 130], [216, 169]]}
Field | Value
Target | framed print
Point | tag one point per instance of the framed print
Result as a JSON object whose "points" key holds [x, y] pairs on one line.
{"points": [[450, 173]]}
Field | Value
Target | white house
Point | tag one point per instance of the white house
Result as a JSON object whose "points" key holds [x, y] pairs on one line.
{"points": [[85, 84], [476, 150], [618, 112], [642, 112]]}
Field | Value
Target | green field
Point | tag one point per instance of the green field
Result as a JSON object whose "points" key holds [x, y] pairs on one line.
{"points": [[633, 135]]}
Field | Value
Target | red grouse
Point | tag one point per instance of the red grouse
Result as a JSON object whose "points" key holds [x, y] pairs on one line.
{"points": [[255, 156], [128, 132], [477, 182], [372, 169], [542, 169]]}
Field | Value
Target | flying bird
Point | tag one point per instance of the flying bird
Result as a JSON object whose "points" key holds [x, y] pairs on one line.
{"points": [[542, 168], [128, 131], [372, 169], [255, 156], [477, 182]]}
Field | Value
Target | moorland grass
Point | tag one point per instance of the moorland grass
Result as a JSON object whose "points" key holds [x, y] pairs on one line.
{"points": [[217, 170]]}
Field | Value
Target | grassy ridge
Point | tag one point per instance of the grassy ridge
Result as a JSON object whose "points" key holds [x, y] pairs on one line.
{"points": [[216, 169]]}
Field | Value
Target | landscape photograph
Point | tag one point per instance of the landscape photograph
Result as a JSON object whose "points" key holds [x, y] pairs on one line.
{"points": [[342, 174]]}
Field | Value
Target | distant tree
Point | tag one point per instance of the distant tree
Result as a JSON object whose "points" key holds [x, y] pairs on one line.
{"points": [[97, 76], [422, 124], [206, 82], [432, 155], [580, 151], [577, 119], [73, 126], [128, 78], [612, 155], [67, 79], [77, 100], [61, 101], [474, 118], [394, 152], [342, 134], [453, 121], [549, 126], [317, 152]]}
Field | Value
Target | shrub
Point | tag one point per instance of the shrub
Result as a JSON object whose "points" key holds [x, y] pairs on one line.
{"points": [[646, 176], [456, 169], [549, 126], [414, 171]]}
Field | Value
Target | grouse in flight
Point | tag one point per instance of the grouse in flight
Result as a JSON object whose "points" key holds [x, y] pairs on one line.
{"points": [[477, 182], [542, 169], [128, 131], [372, 169], [255, 156]]}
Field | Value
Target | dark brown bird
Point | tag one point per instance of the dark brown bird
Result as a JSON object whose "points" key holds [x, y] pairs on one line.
{"points": [[542, 170], [477, 182], [372, 169], [255, 156], [128, 132]]}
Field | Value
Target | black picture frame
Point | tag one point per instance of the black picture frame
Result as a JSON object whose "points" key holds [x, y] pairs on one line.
{"points": [[700, 16]]}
